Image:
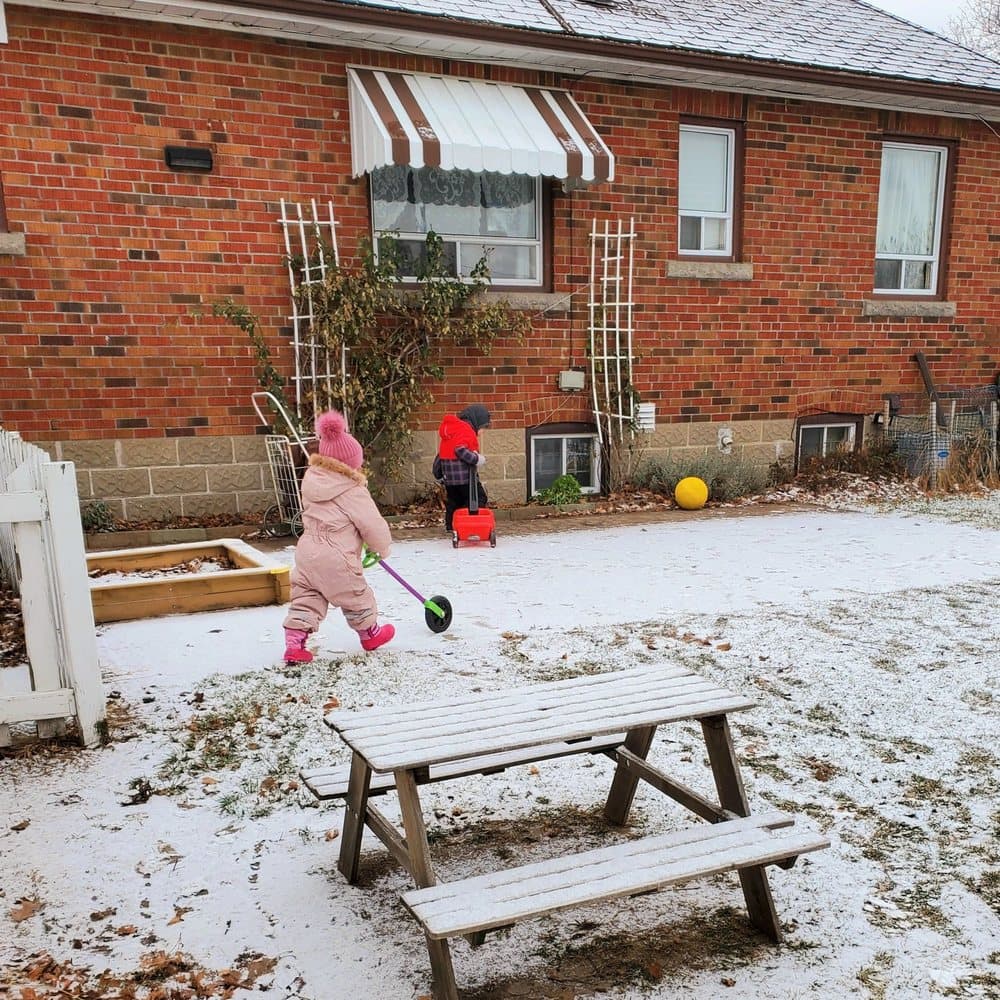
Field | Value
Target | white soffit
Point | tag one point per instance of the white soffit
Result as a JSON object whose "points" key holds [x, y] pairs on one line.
{"points": [[420, 120], [3, 25]]}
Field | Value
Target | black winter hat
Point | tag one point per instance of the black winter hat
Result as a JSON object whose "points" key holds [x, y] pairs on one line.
{"points": [[477, 415]]}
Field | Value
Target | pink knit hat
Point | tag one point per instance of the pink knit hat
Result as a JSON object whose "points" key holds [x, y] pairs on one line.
{"points": [[335, 442]]}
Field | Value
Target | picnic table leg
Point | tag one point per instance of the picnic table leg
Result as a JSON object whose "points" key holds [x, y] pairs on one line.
{"points": [[422, 871], [732, 796], [354, 818], [624, 783]]}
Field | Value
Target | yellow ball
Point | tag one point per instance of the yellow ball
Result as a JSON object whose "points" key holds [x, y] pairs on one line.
{"points": [[691, 493]]}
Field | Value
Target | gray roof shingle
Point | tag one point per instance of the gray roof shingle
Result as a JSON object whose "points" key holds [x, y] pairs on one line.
{"points": [[848, 35]]}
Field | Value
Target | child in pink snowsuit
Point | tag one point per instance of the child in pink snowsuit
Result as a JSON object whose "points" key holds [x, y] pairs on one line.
{"points": [[338, 515]]}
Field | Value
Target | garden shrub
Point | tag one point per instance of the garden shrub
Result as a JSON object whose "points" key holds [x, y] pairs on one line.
{"points": [[727, 476], [564, 489]]}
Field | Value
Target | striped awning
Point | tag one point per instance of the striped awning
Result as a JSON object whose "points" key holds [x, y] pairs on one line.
{"points": [[415, 120]]}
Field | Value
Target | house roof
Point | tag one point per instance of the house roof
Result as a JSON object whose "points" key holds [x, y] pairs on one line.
{"points": [[843, 51], [834, 34]]}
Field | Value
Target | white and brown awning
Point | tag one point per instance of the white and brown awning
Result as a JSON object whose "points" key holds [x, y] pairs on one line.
{"points": [[437, 121]]}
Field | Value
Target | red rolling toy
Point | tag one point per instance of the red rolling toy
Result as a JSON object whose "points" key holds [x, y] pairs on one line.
{"points": [[473, 523]]}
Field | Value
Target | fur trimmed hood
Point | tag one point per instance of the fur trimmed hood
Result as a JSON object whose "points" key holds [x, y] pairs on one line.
{"points": [[335, 465]]}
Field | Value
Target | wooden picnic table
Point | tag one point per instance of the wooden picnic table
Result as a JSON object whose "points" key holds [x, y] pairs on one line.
{"points": [[615, 713]]}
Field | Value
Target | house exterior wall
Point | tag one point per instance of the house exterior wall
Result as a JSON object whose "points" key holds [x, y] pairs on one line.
{"points": [[108, 336]]}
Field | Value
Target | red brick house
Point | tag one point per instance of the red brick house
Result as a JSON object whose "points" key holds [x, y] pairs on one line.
{"points": [[814, 197]]}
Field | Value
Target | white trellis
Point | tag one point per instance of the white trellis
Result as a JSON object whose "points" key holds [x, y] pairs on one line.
{"points": [[42, 557], [610, 321], [310, 251]]}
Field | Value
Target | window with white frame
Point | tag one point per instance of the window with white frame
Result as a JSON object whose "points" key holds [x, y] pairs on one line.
{"points": [[475, 214], [706, 191], [910, 218], [564, 453], [825, 434]]}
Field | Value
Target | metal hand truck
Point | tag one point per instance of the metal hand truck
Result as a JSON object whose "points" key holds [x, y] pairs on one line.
{"points": [[287, 458]]}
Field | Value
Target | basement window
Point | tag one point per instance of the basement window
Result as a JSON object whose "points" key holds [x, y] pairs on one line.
{"points": [[556, 450], [824, 434]]}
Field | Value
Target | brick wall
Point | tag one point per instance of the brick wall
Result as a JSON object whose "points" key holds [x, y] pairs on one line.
{"points": [[106, 318]]}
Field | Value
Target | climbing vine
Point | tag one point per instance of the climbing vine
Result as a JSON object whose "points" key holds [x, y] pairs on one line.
{"points": [[395, 332]]}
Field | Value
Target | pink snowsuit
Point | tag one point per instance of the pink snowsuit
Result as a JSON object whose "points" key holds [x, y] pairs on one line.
{"points": [[338, 514]]}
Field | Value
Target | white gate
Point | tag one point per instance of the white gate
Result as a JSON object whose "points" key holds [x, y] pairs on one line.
{"points": [[42, 556]]}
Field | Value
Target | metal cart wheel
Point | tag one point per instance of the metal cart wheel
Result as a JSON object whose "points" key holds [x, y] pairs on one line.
{"points": [[273, 525], [296, 524], [454, 539], [493, 539]]}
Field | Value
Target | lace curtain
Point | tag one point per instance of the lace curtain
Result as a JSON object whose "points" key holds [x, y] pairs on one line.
{"points": [[432, 186], [908, 200]]}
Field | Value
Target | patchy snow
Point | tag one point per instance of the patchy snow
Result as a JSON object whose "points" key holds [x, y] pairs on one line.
{"points": [[868, 638]]}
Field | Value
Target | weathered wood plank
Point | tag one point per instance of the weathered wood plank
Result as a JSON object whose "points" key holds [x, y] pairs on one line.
{"points": [[331, 782], [527, 716], [34, 705], [489, 901]]}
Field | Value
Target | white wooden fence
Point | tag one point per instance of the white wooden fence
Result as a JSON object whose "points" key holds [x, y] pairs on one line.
{"points": [[42, 557]]}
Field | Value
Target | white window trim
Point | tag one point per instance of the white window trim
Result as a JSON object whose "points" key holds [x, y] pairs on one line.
{"points": [[480, 242], [595, 467], [727, 251], [824, 427], [935, 257]]}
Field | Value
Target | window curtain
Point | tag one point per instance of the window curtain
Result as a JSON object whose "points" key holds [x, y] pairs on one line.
{"points": [[704, 165], [907, 201], [433, 186]]}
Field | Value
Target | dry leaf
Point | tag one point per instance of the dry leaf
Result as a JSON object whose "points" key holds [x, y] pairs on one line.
{"points": [[208, 780], [332, 703], [23, 825], [332, 834], [724, 646], [178, 916], [25, 908], [532, 769], [126, 930]]}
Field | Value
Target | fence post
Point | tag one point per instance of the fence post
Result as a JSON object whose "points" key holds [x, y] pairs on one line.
{"points": [[72, 584], [41, 633], [932, 471]]}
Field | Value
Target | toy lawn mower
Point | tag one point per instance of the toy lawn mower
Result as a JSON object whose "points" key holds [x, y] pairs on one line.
{"points": [[437, 609]]}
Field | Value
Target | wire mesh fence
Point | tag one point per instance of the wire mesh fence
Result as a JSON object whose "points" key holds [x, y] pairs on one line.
{"points": [[948, 440]]}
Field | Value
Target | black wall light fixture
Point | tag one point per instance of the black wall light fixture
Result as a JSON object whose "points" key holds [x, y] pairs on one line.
{"points": [[187, 158]]}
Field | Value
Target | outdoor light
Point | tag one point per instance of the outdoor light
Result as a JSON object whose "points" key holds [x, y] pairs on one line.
{"points": [[187, 158]]}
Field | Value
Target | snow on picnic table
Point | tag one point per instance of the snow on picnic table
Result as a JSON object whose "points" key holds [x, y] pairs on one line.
{"points": [[868, 640]]}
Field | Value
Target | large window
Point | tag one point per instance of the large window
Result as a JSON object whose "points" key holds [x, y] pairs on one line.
{"points": [[498, 215], [911, 201], [706, 191], [560, 450]]}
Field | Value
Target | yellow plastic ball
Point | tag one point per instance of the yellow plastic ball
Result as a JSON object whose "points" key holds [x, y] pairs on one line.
{"points": [[691, 493]]}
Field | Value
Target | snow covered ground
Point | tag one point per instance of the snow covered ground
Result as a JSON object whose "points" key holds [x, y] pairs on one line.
{"points": [[186, 854]]}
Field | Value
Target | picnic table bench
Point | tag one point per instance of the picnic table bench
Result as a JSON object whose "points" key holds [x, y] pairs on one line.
{"points": [[617, 713]]}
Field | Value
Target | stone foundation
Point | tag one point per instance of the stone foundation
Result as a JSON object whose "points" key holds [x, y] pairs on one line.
{"points": [[505, 472], [159, 479]]}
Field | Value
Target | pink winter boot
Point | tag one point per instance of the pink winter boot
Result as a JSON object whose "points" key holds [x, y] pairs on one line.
{"points": [[295, 646], [377, 635]]}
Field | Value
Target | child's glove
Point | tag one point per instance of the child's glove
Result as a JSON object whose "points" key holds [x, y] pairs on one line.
{"points": [[480, 459]]}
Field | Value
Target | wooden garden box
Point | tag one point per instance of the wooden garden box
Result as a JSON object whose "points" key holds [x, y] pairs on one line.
{"points": [[256, 581]]}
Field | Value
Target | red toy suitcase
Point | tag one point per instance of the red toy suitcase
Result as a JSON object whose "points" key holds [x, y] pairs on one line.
{"points": [[473, 523]]}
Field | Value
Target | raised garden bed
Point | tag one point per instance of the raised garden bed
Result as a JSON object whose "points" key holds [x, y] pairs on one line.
{"points": [[178, 579]]}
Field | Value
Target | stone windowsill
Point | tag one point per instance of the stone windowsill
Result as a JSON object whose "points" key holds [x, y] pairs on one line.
{"points": [[909, 307], [551, 302], [13, 244], [717, 270]]}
